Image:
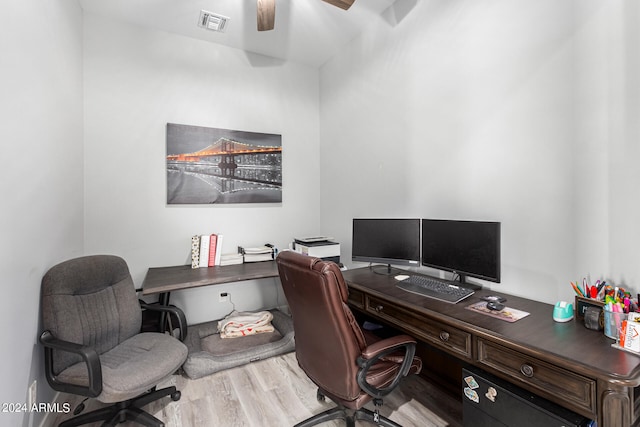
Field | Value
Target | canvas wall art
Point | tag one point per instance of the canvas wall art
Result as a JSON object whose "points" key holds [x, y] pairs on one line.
{"points": [[220, 166]]}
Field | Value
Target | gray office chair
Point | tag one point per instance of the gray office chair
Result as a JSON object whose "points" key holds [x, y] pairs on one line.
{"points": [[93, 344]]}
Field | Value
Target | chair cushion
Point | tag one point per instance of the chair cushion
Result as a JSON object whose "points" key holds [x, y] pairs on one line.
{"points": [[132, 367]]}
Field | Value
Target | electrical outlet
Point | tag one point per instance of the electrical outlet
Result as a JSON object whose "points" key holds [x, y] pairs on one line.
{"points": [[33, 390], [224, 297]]}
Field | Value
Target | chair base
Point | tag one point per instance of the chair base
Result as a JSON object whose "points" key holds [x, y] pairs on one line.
{"points": [[343, 413], [128, 410]]}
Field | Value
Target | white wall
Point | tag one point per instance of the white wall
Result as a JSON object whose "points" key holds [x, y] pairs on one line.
{"points": [[473, 110], [624, 153], [41, 184], [607, 74], [592, 81], [138, 80]]}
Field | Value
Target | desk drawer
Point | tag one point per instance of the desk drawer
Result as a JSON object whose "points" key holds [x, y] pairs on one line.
{"points": [[438, 334], [356, 298], [557, 384]]}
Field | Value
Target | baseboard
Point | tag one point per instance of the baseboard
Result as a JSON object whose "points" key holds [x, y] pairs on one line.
{"points": [[46, 422]]}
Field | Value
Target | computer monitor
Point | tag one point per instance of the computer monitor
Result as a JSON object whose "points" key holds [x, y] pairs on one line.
{"points": [[386, 241], [468, 248]]}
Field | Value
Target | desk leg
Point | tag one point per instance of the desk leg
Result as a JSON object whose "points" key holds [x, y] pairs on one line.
{"points": [[615, 407], [163, 299]]}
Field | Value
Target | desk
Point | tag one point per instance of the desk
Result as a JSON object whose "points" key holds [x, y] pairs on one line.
{"points": [[164, 280], [161, 280], [563, 362]]}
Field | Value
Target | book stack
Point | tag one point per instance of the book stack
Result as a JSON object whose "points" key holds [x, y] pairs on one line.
{"points": [[327, 249], [257, 254], [206, 250], [231, 259]]}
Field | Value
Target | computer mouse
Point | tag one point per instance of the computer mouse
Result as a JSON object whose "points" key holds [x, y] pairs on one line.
{"points": [[494, 305], [494, 298]]}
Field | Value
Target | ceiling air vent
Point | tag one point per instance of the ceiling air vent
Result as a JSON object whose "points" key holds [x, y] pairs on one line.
{"points": [[212, 21]]}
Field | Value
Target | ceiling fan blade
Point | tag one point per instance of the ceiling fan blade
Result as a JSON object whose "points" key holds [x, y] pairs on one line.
{"points": [[266, 14], [342, 4]]}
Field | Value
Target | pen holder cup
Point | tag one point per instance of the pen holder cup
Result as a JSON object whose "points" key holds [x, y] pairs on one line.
{"points": [[613, 323]]}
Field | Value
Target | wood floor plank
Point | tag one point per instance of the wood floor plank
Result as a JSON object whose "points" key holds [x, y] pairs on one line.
{"points": [[276, 393], [280, 393]]}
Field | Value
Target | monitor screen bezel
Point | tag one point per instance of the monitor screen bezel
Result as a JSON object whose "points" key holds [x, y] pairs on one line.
{"points": [[387, 260], [462, 273]]}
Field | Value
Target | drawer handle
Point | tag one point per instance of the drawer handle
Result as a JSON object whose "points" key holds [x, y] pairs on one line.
{"points": [[379, 308], [527, 370], [444, 336]]}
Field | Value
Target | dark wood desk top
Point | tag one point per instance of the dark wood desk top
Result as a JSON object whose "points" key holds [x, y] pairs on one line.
{"points": [[169, 279], [567, 344]]}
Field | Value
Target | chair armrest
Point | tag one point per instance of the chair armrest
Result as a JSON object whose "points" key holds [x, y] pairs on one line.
{"points": [[89, 356], [170, 309], [379, 346], [378, 351]]}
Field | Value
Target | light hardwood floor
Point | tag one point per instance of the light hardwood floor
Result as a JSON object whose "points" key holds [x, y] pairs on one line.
{"points": [[276, 393]]}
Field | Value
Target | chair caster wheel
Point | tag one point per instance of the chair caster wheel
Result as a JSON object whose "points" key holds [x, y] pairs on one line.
{"points": [[320, 396], [79, 409], [175, 396]]}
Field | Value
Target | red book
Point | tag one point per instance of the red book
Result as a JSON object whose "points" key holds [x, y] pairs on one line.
{"points": [[212, 249]]}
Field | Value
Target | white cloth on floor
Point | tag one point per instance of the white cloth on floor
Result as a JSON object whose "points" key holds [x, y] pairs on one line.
{"points": [[243, 323]]}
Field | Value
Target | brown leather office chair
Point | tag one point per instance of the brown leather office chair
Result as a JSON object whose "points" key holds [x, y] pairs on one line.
{"points": [[348, 366]]}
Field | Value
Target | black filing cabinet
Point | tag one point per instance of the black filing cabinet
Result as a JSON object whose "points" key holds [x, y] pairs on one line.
{"points": [[489, 401]]}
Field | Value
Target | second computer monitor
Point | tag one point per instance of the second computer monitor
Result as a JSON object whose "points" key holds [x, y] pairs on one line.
{"points": [[468, 248]]}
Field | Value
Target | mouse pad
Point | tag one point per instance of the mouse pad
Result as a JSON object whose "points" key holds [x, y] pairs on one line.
{"points": [[507, 314]]}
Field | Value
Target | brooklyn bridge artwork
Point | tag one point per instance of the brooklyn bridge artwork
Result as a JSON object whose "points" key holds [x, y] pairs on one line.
{"points": [[218, 166]]}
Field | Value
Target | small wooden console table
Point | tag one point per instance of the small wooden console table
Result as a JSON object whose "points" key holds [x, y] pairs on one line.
{"points": [[163, 280]]}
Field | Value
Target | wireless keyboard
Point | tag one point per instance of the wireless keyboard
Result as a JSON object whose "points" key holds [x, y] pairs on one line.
{"points": [[436, 289]]}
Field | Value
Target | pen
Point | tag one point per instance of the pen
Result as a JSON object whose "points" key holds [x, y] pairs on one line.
{"points": [[576, 289]]}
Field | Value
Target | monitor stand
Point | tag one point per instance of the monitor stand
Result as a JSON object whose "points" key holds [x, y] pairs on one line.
{"points": [[385, 270], [468, 285]]}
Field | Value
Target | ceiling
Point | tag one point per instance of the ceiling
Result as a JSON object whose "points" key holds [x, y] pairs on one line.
{"points": [[306, 31]]}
